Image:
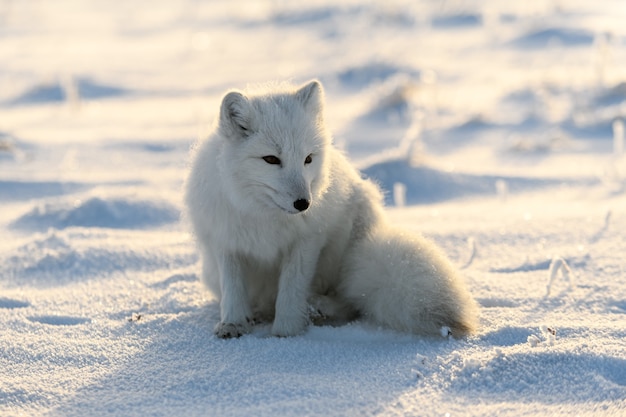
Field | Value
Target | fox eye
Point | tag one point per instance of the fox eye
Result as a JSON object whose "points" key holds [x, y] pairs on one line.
{"points": [[272, 160], [308, 160]]}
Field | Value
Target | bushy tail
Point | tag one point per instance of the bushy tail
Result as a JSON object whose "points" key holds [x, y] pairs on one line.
{"points": [[404, 282]]}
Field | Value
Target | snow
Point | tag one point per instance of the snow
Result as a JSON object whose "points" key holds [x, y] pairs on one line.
{"points": [[495, 128]]}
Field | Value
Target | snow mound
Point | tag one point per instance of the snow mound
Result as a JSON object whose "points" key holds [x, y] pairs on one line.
{"points": [[116, 213], [64, 257], [305, 17], [544, 264], [429, 185], [10, 303], [613, 95], [386, 120], [63, 90], [150, 147], [596, 126], [457, 21], [473, 124], [325, 17], [26, 190], [538, 374], [373, 72], [393, 104], [507, 335], [542, 38]]}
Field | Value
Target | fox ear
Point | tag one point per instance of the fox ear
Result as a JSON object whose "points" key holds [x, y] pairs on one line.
{"points": [[310, 95], [235, 115]]}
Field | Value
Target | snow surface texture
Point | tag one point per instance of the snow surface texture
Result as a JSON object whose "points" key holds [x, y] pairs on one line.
{"points": [[496, 128]]}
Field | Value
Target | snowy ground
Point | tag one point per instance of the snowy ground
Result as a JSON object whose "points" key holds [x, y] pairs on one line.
{"points": [[503, 121]]}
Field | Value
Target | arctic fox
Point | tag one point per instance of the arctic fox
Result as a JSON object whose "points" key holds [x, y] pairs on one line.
{"points": [[290, 233]]}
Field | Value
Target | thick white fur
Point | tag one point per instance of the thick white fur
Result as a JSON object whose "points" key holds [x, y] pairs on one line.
{"points": [[404, 282], [337, 259]]}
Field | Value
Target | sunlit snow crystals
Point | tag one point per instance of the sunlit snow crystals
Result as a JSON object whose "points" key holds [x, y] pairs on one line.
{"points": [[399, 194], [445, 331], [472, 364], [618, 137], [502, 189], [421, 367], [607, 221], [471, 243], [549, 336], [559, 264], [135, 317], [533, 340]]}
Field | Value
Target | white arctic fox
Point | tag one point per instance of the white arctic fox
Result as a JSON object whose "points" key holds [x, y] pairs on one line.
{"points": [[290, 232]]}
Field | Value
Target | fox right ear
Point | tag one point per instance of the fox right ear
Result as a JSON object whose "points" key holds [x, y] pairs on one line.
{"points": [[235, 115], [311, 94]]}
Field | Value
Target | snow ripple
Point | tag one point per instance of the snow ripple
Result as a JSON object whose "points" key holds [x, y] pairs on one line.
{"points": [[539, 374], [62, 90], [116, 213], [65, 257], [428, 185]]}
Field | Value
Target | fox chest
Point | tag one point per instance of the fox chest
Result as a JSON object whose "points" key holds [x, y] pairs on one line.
{"points": [[268, 240]]}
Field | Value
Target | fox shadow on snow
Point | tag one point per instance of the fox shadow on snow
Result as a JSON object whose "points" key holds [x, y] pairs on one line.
{"points": [[186, 367]]}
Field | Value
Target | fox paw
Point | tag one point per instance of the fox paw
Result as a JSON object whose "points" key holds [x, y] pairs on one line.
{"points": [[316, 315], [232, 330], [329, 310], [292, 327]]}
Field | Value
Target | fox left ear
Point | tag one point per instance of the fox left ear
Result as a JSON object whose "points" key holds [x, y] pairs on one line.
{"points": [[310, 95], [235, 115]]}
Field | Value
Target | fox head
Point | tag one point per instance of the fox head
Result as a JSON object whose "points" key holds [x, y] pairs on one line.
{"points": [[274, 151]]}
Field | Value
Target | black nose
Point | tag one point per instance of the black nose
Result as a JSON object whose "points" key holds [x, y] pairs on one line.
{"points": [[301, 204]]}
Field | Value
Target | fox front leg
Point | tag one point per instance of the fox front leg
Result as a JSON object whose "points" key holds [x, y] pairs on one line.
{"points": [[293, 289], [234, 306]]}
